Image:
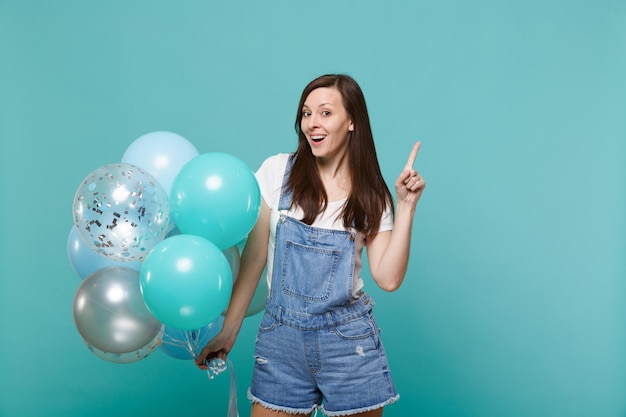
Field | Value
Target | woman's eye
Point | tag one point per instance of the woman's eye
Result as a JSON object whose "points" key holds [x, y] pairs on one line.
{"points": [[306, 113], [325, 113]]}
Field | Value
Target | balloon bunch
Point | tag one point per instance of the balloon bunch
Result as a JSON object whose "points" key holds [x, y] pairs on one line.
{"points": [[155, 242]]}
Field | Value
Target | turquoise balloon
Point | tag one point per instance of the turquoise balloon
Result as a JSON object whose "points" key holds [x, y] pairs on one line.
{"points": [[186, 282], [216, 196]]}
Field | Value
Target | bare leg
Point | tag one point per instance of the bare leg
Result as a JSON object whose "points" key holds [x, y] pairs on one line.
{"points": [[260, 411], [373, 413]]}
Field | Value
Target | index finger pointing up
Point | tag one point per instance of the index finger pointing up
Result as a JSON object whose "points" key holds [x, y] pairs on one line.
{"points": [[412, 155]]}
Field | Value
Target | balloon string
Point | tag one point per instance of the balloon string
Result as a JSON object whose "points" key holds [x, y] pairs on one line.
{"points": [[232, 401], [217, 366], [190, 341]]}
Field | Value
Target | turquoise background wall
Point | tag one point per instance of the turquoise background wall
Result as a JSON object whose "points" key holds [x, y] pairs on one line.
{"points": [[515, 300]]}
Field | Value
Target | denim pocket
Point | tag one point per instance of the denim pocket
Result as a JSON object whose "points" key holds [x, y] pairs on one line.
{"points": [[308, 272], [268, 323], [361, 328]]}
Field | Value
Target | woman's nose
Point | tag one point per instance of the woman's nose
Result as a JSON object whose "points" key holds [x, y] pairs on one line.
{"points": [[313, 121]]}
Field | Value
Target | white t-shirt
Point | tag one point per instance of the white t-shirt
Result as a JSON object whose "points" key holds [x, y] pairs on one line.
{"points": [[270, 179]]}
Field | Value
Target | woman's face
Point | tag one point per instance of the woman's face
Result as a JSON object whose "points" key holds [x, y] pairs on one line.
{"points": [[325, 122]]}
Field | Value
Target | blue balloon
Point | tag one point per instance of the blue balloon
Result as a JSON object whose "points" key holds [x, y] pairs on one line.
{"points": [[216, 196], [185, 344], [86, 261], [162, 154], [186, 282]]}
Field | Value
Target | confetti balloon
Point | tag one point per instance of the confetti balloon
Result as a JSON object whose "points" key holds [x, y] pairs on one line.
{"points": [[110, 314], [129, 357], [121, 211]]}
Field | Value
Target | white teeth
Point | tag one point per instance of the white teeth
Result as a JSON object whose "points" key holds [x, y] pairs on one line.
{"points": [[317, 137]]}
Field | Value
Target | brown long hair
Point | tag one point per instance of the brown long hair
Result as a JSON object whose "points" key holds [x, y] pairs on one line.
{"points": [[369, 195]]}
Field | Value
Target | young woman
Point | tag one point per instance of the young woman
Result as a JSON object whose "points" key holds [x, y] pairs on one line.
{"points": [[318, 345]]}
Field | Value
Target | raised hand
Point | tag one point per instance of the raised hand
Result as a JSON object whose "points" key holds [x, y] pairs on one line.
{"points": [[410, 184]]}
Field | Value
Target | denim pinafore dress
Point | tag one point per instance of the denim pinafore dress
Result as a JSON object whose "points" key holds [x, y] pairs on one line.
{"points": [[316, 343]]}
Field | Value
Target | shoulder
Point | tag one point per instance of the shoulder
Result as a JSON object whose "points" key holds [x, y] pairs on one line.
{"points": [[270, 177], [273, 165]]}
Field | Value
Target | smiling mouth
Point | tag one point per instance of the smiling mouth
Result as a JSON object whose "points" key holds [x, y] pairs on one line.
{"points": [[317, 139]]}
